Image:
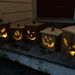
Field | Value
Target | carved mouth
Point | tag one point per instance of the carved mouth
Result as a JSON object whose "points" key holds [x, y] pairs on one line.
{"points": [[47, 44], [72, 53], [18, 38], [31, 38], [17, 35], [5, 35]]}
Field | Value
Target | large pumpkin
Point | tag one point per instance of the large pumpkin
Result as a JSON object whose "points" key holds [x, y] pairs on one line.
{"points": [[50, 39], [68, 40]]}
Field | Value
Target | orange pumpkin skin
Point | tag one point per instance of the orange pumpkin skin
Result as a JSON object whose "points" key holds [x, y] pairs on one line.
{"points": [[17, 35]]}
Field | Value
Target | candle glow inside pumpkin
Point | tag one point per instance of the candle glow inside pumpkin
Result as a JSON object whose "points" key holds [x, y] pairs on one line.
{"points": [[31, 35], [48, 41], [17, 35], [71, 47], [3, 33]]}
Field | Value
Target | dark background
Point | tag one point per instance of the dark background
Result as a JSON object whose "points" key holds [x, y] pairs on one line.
{"points": [[55, 8]]}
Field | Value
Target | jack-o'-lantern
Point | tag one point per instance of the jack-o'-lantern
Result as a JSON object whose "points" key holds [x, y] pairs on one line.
{"points": [[17, 35], [4, 32], [31, 35], [50, 39], [32, 32], [68, 40], [16, 32]]}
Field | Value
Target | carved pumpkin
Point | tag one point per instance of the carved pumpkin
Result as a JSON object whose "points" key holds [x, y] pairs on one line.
{"points": [[69, 46], [50, 39], [16, 32], [69, 40], [17, 35], [31, 35], [4, 32], [32, 32]]}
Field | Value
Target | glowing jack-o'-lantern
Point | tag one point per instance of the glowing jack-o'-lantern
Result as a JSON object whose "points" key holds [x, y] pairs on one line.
{"points": [[32, 32], [31, 35], [16, 32], [17, 35], [3, 33], [69, 40], [50, 39]]}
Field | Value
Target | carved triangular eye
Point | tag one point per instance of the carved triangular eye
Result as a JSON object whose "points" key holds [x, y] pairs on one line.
{"points": [[28, 31], [46, 39], [17, 33], [72, 53], [50, 39], [65, 41], [3, 30]]}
